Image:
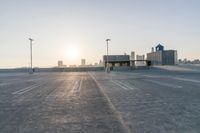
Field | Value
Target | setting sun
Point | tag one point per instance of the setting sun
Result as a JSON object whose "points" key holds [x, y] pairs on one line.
{"points": [[72, 52]]}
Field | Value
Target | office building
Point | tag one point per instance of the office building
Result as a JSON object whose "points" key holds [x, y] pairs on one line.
{"points": [[162, 57]]}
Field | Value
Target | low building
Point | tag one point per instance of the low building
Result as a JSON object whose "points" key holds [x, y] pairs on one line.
{"points": [[116, 60], [140, 60], [162, 57]]}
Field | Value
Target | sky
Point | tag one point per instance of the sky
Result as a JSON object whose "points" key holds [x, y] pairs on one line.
{"points": [[70, 30]]}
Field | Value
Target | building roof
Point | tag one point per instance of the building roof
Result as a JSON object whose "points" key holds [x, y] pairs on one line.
{"points": [[159, 47]]}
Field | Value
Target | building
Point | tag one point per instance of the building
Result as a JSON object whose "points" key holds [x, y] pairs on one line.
{"points": [[60, 63], [96, 64], [101, 63], [162, 57], [83, 62], [132, 59], [140, 60], [159, 47], [116, 60]]}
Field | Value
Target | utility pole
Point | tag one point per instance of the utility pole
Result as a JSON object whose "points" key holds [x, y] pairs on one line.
{"points": [[31, 67], [107, 63]]}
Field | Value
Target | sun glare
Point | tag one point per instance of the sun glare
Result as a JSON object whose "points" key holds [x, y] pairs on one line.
{"points": [[72, 52]]}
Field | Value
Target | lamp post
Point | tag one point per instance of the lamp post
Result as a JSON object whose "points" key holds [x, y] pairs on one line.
{"points": [[107, 63], [31, 67]]}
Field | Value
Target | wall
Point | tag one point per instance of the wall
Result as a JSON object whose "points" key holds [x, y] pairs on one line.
{"points": [[155, 57]]}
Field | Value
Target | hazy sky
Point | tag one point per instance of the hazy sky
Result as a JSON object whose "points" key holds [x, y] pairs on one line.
{"points": [[132, 25]]}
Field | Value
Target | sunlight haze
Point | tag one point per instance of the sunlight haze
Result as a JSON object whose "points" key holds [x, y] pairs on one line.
{"points": [[70, 30]]}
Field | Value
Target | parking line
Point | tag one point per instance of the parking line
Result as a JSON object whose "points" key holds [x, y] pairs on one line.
{"points": [[164, 84], [26, 89], [72, 91], [119, 85], [75, 85], [190, 80], [131, 88], [117, 113], [80, 86], [152, 76], [16, 92]]}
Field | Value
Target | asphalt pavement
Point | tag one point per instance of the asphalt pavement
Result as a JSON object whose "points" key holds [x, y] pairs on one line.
{"points": [[143, 101]]}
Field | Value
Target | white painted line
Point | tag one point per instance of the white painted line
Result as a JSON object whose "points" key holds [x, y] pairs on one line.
{"points": [[126, 85], [119, 85], [190, 80], [24, 89], [152, 76], [31, 80], [75, 85], [117, 113], [27, 89], [164, 84], [72, 91], [80, 86]]}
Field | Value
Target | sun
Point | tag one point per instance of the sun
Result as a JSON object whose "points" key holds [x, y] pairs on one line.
{"points": [[72, 52]]}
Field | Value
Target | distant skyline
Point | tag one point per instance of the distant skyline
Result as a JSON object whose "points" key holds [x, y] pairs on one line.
{"points": [[80, 27]]}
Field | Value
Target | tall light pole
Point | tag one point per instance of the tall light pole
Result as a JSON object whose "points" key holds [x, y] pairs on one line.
{"points": [[107, 63], [31, 67]]}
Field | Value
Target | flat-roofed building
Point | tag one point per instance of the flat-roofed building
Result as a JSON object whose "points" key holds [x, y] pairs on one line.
{"points": [[116, 60], [140, 60], [163, 57], [169, 57], [155, 57]]}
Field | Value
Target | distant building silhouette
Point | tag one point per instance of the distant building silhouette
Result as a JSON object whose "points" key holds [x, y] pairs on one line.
{"points": [[83, 62], [60, 63], [100, 63], [186, 61]]}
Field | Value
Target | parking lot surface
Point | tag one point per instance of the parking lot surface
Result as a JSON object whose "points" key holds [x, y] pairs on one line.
{"points": [[143, 101]]}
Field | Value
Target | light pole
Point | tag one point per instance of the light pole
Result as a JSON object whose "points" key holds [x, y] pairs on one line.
{"points": [[31, 68], [107, 63]]}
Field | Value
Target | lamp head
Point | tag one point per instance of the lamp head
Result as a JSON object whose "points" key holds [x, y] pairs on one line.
{"points": [[30, 39], [108, 40]]}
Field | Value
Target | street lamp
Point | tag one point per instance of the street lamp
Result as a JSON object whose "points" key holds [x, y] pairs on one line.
{"points": [[31, 67], [107, 63]]}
